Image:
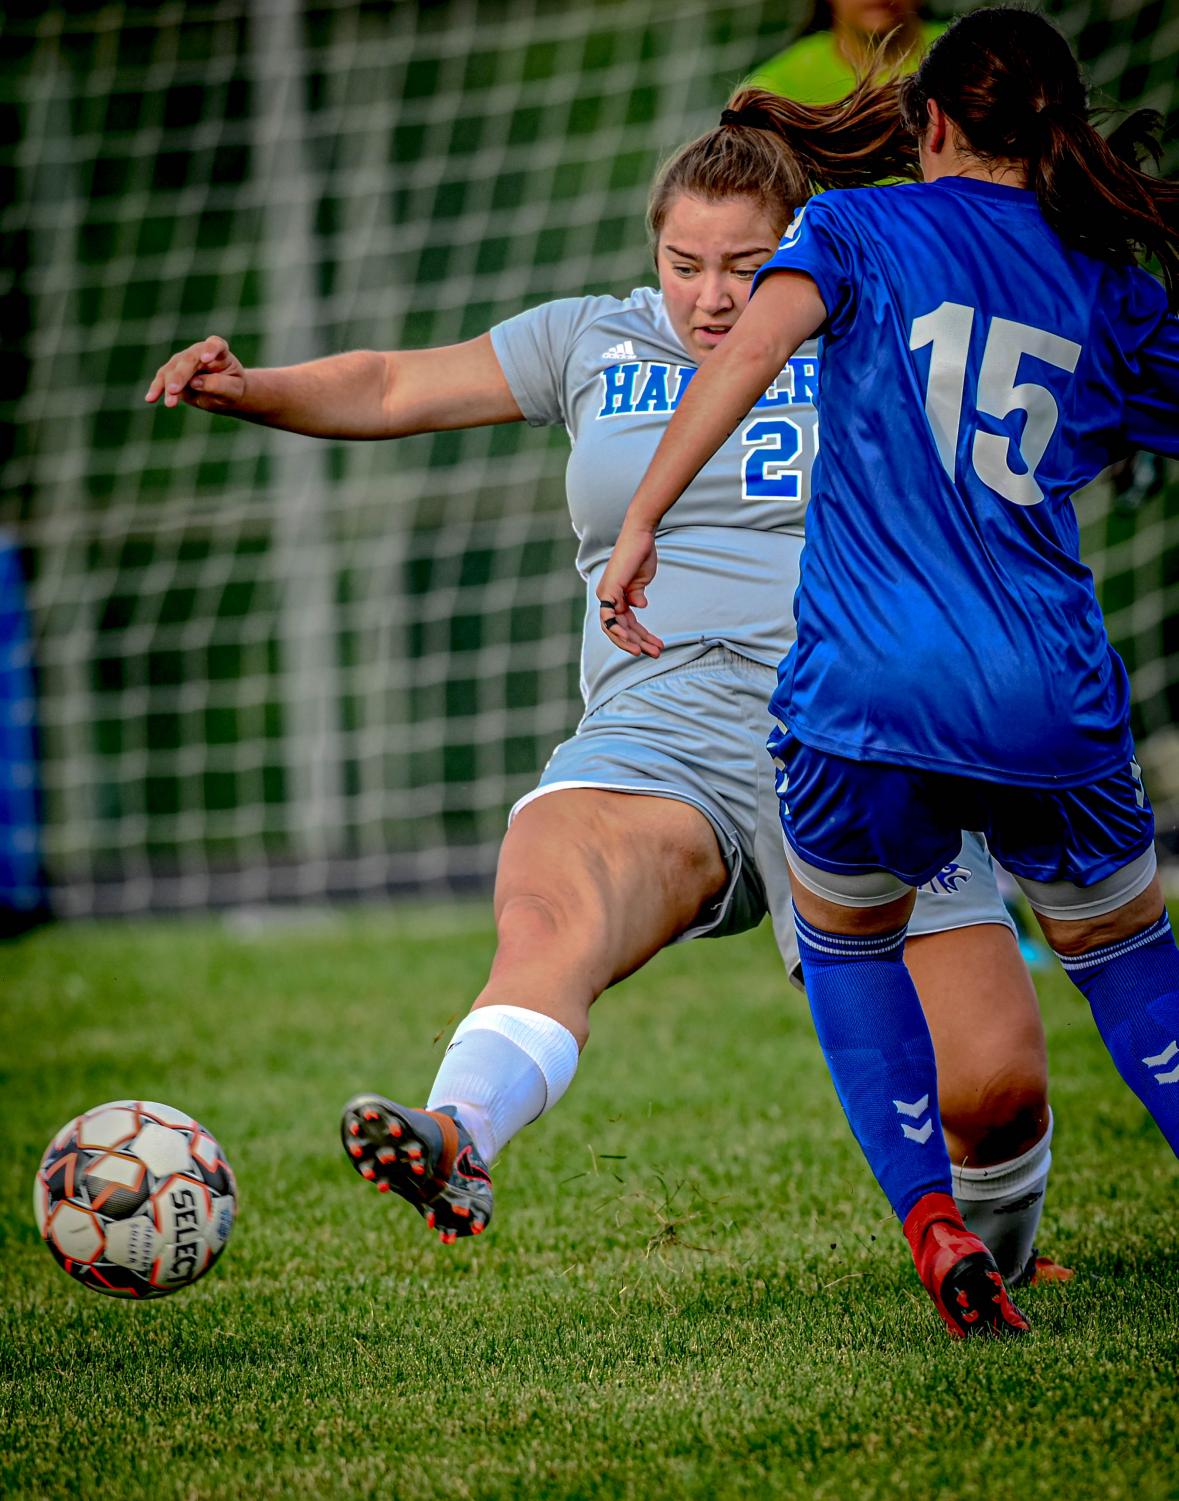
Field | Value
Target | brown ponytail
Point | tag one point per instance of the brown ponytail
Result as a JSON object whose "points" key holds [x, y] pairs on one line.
{"points": [[853, 143], [1010, 84], [780, 152]]}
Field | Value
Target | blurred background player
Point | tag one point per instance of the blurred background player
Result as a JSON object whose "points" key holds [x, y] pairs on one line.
{"points": [[1049, 349], [639, 832], [846, 39], [22, 885]]}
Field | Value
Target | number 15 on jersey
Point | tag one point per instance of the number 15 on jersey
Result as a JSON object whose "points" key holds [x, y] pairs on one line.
{"points": [[948, 329]]}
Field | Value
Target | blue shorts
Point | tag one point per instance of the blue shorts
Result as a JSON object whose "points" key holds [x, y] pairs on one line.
{"points": [[855, 818]]}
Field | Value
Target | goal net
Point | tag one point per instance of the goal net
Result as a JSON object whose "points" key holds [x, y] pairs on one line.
{"points": [[270, 668]]}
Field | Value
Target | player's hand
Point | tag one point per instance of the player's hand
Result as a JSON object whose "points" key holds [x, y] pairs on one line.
{"points": [[622, 590], [207, 375]]}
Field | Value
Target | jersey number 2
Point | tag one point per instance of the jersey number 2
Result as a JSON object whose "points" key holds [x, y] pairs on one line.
{"points": [[772, 446], [948, 329]]}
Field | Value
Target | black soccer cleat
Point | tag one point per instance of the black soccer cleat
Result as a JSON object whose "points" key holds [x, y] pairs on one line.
{"points": [[959, 1273], [426, 1156]]}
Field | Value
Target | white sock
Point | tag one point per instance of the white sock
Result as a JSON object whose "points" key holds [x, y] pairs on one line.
{"points": [[1003, 1204], [505, 1067]]}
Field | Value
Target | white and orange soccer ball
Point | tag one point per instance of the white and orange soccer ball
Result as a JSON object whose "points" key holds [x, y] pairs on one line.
{"points": [[135, 1199]]}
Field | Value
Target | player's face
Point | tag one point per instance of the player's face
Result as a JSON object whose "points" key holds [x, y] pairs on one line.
{"points": [[707, 255], [872, 17]]}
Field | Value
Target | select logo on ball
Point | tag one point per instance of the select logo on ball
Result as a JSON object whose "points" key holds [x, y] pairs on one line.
{"points": [[183, 1210]]}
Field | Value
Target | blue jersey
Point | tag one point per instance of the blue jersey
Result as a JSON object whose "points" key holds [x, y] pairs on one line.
{"points": [[975, 372]]}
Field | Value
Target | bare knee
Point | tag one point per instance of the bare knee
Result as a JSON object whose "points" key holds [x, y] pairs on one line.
{"points": [[548, 958], [590, 885], [540, 922], [985, 1022], [995, 1118]]}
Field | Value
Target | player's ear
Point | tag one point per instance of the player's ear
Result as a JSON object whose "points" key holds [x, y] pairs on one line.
{"points": [[937, 129]]}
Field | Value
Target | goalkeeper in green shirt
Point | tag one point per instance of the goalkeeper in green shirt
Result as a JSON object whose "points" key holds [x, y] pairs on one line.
{"points": [[825, 65]]}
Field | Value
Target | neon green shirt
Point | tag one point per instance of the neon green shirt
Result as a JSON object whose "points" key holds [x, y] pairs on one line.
{"points": [[813, 70]]}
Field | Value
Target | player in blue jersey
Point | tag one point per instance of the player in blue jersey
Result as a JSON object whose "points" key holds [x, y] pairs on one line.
{"points": [[989, 344], [577, 905]]}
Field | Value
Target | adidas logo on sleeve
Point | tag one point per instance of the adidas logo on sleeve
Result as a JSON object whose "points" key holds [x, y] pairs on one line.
{"points": [[623, 351]]}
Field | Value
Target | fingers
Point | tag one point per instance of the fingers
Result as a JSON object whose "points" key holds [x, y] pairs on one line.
{"points": [[621, 630], [213, 385], [649, 645], [215, 355], [209, 356], [624, 629]]}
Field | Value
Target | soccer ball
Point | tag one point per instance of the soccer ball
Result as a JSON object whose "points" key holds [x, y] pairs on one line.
{"points": [[134, 1199]]}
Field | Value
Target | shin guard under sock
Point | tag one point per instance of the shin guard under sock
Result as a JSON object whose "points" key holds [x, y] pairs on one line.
{"points": [[874, 1037], [1133, 991]]}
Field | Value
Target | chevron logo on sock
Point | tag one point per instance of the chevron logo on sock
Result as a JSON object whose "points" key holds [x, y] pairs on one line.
{"points": [[919, 1134], [1161, 1060]]}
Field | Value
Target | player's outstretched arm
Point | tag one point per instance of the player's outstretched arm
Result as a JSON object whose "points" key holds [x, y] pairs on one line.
{"points": [[786, 311], [363, 394]]}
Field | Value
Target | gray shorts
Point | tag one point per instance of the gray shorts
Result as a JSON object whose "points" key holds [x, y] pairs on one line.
{"points": [[697, 733]]}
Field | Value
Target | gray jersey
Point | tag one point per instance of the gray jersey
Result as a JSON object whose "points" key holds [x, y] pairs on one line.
{"points": [[612, 370]]}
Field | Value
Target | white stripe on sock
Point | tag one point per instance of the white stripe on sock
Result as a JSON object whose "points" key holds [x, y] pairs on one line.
{"points": [[1013, 1177]]}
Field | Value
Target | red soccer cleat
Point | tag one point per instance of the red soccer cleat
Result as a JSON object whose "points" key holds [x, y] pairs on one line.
{"points": [[959, 1273]]}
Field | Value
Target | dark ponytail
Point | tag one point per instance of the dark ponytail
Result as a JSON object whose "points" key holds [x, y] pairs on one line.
{"points": [[780, 152], [1008, 81]]}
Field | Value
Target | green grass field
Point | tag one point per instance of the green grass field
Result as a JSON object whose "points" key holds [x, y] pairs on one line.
{"points": [[692, 1287]]}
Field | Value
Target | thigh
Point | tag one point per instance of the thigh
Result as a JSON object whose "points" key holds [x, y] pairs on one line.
{"points": [[964, 894], [695, 735], [609, 877], [1074, 935]]}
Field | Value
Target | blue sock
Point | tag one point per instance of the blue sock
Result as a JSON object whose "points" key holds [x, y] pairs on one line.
{"points": [[876, 1043], [1133, 991]]}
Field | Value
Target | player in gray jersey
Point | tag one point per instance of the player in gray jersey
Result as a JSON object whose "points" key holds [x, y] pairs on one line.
{"points": [[646, 828]]}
